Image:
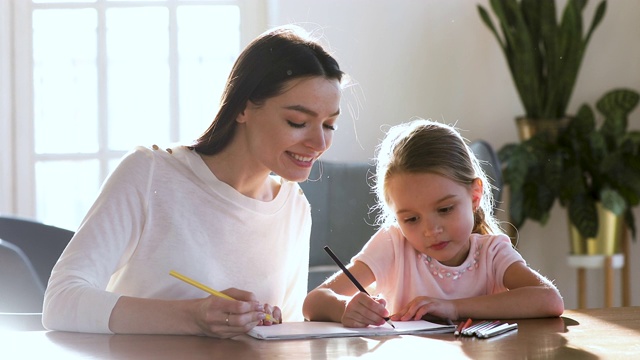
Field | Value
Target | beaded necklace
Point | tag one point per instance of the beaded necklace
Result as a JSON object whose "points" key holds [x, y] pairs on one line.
{"points": [[436, 270]]}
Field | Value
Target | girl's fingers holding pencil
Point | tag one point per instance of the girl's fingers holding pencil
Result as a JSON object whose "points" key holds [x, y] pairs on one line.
{"points": [[380, 300], [362, 310]]}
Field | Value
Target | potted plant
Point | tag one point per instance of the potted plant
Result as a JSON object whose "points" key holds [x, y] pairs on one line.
{"points": [[544, 56], [584, 167]]}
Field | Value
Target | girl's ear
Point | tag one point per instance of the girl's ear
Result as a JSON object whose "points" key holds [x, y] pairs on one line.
{"points": [[477, 189]]}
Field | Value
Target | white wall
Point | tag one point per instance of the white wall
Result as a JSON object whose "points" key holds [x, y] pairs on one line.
{"points": [[436, 59]]}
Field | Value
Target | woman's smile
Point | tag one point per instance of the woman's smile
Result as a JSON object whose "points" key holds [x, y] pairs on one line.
{"points": [[300, 160]]}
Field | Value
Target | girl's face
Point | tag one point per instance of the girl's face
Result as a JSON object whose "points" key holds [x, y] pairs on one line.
{"points": [[287, 133], [435, 213]]}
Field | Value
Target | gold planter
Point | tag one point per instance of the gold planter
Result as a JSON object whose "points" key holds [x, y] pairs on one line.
{"points": [[606, 242], [528, 127]]}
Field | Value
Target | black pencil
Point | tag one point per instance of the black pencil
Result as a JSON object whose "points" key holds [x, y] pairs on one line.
{"points": [[351, 277]]}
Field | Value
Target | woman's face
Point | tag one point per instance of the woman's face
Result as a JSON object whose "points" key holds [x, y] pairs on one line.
{"points": [[434, 213], [287, 133]]}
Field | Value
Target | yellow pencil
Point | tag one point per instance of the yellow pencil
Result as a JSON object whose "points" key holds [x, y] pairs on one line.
{"points": [[206, 288]]}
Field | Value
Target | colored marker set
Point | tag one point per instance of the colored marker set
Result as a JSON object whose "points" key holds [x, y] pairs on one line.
{"points": [[484, 329]]}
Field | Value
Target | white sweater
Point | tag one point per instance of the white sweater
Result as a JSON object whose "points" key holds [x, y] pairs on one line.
{"points": [[161, 211]]}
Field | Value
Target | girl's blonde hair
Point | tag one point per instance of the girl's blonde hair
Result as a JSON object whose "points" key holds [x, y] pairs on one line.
{"points": [[426, 146]]}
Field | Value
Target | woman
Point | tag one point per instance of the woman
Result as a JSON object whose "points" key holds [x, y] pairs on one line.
{"points": [[226, 211]]}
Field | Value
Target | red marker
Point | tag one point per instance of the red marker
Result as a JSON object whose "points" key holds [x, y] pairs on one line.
{"points": [[463, 325]]}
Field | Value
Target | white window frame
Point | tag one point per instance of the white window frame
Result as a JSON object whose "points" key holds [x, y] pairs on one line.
{"points": [[7, 136], [17, 153]]}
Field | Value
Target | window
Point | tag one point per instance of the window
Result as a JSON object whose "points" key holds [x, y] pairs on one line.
{"points": [[95, 78]]}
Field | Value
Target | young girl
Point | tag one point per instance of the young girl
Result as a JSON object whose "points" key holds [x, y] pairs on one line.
{"points": [[439, 251]]}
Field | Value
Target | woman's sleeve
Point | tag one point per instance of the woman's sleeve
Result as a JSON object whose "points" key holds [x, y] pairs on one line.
{"points": [[76, 298]]}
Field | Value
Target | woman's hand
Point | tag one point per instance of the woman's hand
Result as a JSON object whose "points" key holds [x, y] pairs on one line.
{"points": [[423, 305], [275, 315], [363, 310], [223, 318]]}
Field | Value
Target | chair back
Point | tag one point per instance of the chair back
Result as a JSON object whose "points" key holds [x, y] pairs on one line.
{"points": [[341, 200], [20, 288], [42, 244]]}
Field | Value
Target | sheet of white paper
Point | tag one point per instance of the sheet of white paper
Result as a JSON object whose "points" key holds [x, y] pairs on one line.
{"points": [[318, 329]]}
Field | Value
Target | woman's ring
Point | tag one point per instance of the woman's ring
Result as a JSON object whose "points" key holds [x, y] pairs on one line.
{"points": [[227, 320]]}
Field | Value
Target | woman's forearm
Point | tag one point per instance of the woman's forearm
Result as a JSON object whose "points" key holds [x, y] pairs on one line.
{"points": [[153, 316]]}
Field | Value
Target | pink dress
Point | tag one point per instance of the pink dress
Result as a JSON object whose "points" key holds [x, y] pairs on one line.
{"points": [[402, 273]]}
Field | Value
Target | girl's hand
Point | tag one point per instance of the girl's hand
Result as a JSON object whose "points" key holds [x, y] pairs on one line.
{"points": [[423, 305], [223, 318], [363, 310]]}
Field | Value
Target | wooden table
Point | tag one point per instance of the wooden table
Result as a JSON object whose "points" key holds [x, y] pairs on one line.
{"points": [[612, 333]]}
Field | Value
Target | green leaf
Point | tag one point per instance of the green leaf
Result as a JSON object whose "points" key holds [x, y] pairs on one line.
{"points": [[572, 185], [552, 174], [613, 201], [516, 205], [584, 216], [597, 18], [506, 151], [546, 198], [484, 15], [618, 100], [634, 137], [584, 123], [624, 177], [595, 150], [521, 53], [517, 168], [616, 105]]}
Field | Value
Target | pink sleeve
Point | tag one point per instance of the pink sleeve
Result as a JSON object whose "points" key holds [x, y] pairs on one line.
{"points": [[379, 254], [502, 254]]}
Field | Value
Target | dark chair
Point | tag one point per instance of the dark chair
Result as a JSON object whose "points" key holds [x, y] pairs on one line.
{"points": [[42, 244], [21, 290], [491, 165], [341, 200]]}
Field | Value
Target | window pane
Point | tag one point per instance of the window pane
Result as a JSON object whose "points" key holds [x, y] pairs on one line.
{"points": [[65, 81], [101, 71], [65, 191], [138, 76], [208, 43]]}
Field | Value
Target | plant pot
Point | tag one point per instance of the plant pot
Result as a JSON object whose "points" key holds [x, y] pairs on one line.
{"points": [[608, 239], [528, 127]]}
